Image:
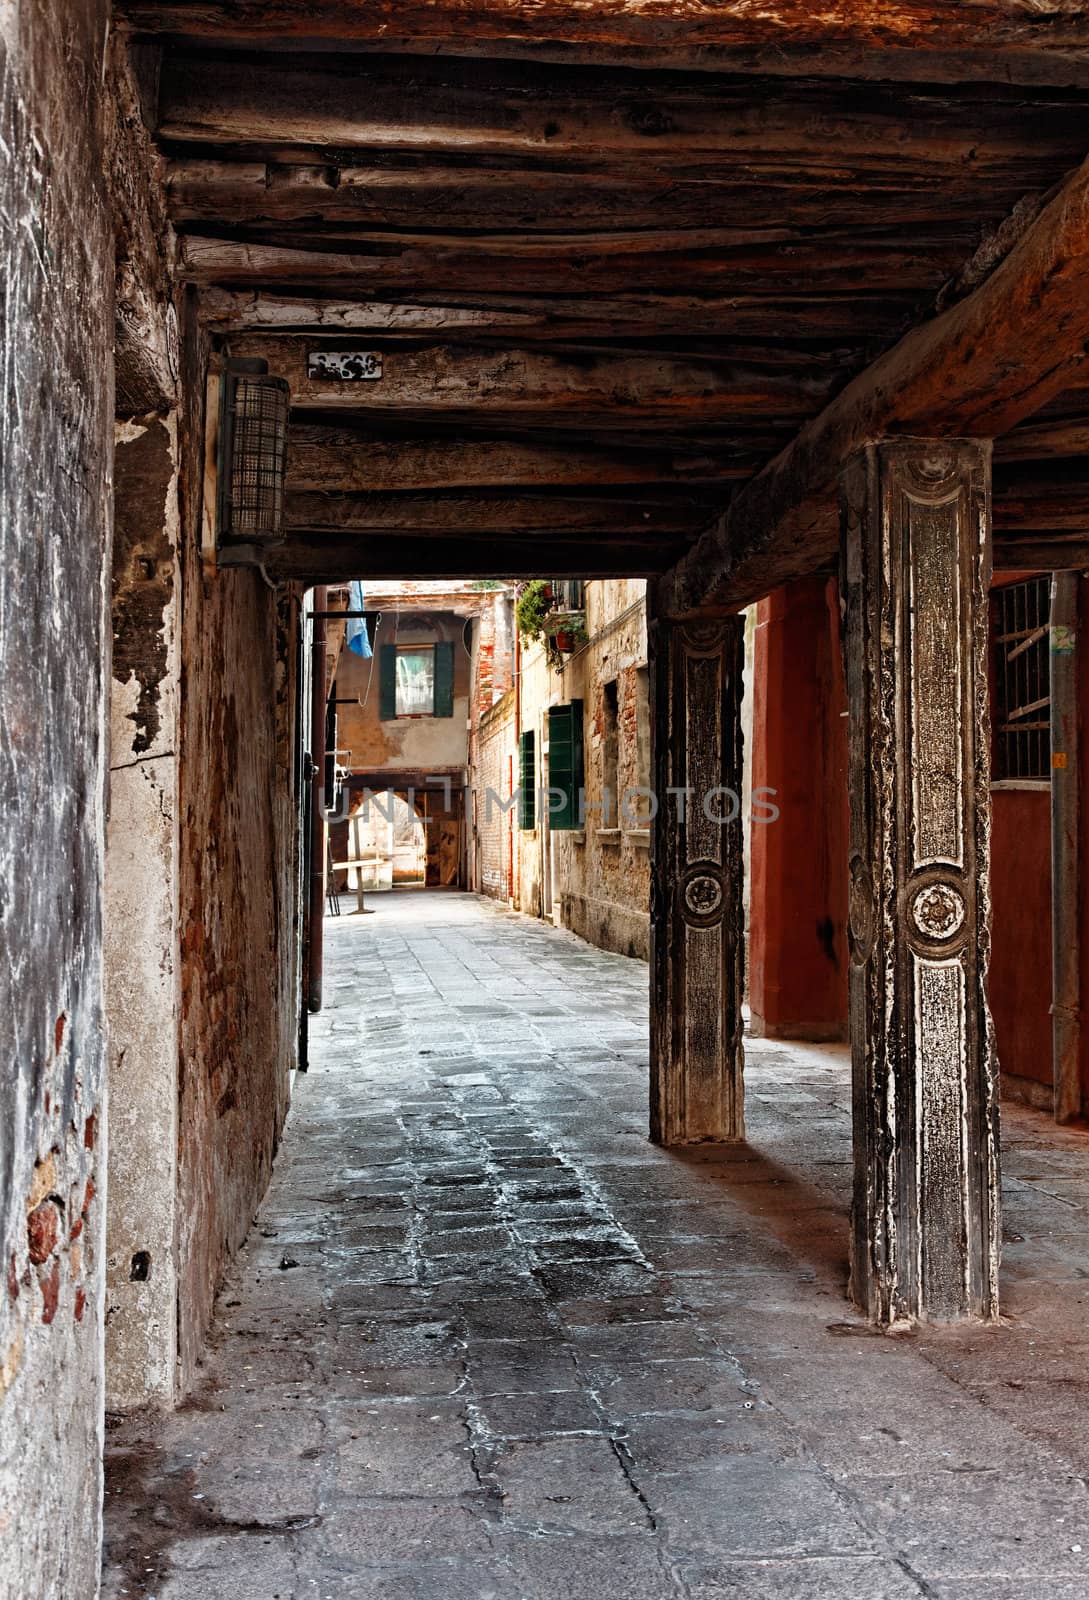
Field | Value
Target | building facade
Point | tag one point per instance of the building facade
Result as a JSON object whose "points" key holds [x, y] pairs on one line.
{"points": [[584, 864]]}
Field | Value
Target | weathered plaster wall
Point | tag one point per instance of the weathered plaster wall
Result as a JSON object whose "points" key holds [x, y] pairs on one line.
{"points": [[418, 744], [141, 910], [56, 419], [237, 895]]}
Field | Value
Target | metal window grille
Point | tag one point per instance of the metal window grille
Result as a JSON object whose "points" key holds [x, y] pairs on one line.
{"points": [[1020, 641], [252, 457]]}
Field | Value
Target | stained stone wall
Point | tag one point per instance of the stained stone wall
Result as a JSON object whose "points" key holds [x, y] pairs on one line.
{"points": [[56, 421]]}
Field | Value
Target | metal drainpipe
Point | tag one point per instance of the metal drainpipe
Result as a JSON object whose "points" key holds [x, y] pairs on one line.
{"points": [[1065, 940], [317, 796], [302, 825]]}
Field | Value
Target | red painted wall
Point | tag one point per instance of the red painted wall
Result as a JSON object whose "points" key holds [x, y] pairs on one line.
{"points": [[798, 957], [798, 864], [1020, 978]]}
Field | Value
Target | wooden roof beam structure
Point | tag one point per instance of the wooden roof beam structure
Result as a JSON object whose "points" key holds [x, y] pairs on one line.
{"points": [[323, 558], [550, 196], [323, 459], [491, 312], [615, 389], [382, 266], [1016, 41], [646, 517], [976, 370], [337, 475], [602, 126]]}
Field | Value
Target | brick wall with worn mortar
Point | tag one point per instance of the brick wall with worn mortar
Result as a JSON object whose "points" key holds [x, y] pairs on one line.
{"points": [[495, 760]]}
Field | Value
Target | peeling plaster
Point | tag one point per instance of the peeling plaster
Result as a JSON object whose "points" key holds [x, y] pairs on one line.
{"points": [[56, 330]]}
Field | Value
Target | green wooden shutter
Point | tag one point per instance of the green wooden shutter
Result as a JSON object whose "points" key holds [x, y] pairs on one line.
{"points": [[565, 768], [387, 682], [444, 678], [527, 782]]}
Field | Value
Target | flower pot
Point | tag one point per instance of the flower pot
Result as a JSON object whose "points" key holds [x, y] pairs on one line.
{"points": [[564, 642]]}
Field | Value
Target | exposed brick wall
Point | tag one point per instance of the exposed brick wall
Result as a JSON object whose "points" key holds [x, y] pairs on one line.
{"points": [[56, 426], [496, 751]]}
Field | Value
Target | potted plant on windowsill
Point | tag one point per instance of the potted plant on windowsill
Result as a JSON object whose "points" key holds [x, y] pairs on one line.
{"points": [[538, 617], [566, 631]]}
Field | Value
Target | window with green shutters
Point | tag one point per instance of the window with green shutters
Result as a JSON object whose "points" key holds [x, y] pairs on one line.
{"points": [[565, 766], [416, 680], [527, 782], [444, 678]]}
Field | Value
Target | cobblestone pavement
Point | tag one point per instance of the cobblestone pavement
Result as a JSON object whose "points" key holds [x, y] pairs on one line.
{"points": [[486, 1341]]}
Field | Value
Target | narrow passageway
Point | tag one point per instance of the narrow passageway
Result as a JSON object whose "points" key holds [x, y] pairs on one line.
{"points": [[485, 1340]]}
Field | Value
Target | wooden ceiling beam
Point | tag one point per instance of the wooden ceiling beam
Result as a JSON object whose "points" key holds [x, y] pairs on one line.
{"points": [[550, 387], [382, 266], [976, 371], [221, 195], [1056, 501], [317, 559], [494, 313], [1045, 439], [931, 41], [644, 517], [588, 119], [331, 461], [1029, 496], [1041, 552]]}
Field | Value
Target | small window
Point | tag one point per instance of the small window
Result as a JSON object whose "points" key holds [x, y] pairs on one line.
{"points": [[415, 683], [568, 594], [417, 680], [1021, 666]]}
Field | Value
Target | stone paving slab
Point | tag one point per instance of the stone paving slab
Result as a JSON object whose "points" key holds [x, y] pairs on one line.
{"points": [[486, 1341]]}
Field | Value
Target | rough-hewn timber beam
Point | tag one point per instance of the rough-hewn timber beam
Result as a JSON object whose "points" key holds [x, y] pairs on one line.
{"points": [[1054, 495], [353, 463], [318, 559], [1045, 439], [585, 117], [1040, 552], [621, 390], [537, 199], [499, 314], [1019, 41], [644, 517], [383, 266], [976, 371]]}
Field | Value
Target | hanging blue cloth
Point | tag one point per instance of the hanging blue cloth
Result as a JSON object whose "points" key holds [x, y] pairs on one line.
{"points": [[356, 627]]}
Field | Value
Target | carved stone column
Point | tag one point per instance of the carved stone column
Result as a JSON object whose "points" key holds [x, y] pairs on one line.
{"points": [[697, 926], [917, 569]]}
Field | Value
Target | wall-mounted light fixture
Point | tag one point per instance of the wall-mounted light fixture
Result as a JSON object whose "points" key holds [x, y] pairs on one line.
{"points": [[251, 458]]}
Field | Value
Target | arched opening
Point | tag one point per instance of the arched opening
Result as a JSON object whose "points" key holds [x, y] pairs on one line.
{"points": [[387, 845]]}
